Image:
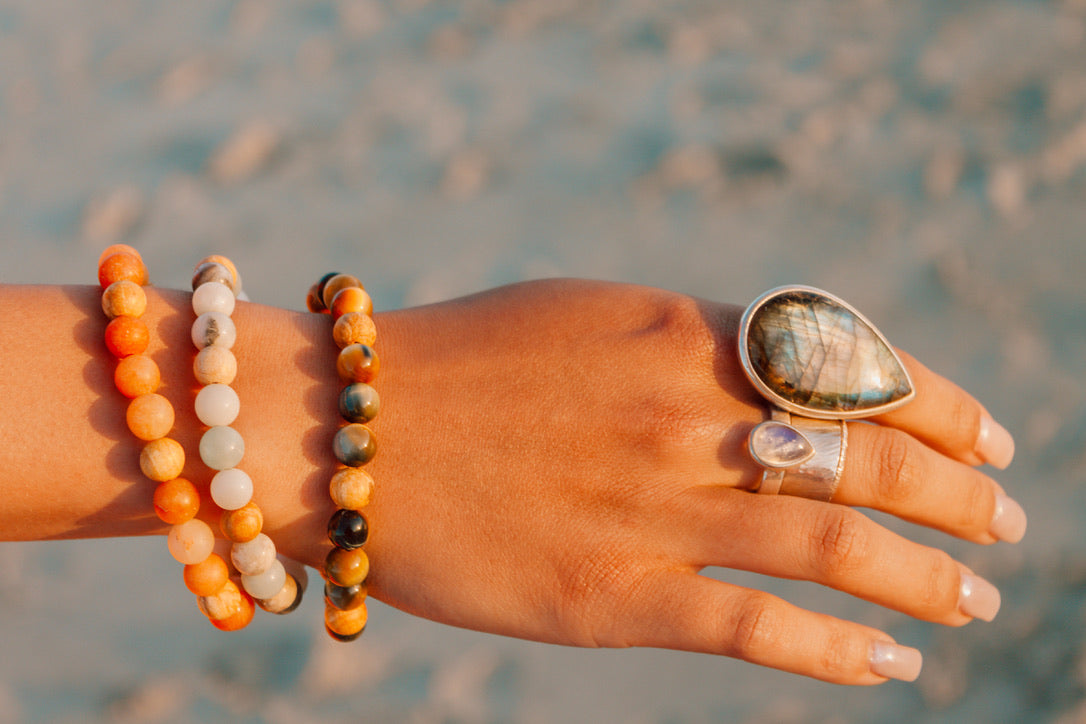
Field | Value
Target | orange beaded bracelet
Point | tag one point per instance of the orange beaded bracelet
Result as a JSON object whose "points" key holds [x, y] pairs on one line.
{"points": [[346, 565]]}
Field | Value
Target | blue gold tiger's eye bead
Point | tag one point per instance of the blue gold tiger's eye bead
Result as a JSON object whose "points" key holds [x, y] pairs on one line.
{"points": [[359, 403], [345, 625], [344, 597], [354, 445], [348, 529]]}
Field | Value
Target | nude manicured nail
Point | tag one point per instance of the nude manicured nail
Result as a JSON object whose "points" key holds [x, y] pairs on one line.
{"points": [[895, 661], [978, 598], [995, 445], [1009, 521]]}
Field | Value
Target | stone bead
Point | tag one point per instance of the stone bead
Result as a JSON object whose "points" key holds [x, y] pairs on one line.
{"points": [[359, 402], [116, 248], [354, 328], [124, 298], [136, 375], [285, 600], [348, 529], [222, 448], [354, 445], [176, 501], [351, 299], [253, 557], [778, 445], [243, 524], [220, 259], [231, 489], [335, 285], [150, 416], [213, 328], [213, 298], [122, 265], [211, 271], [217, 405], [215, 365], [346, 567], [321, 283], [344, 598], [191, 541], [229, 609], [207, 577], [351, 488], [345, 625], [313, 301], [267, 583], [162, 459], [127, 336], [357, 363], [239, 619]]}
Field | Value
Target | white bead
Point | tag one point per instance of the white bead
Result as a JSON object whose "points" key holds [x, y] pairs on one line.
{"points": [[231, 489], [213, 297], [266, 584], [221, 448], [190, 542], [253, 557], [217, 404], [213, 328]]}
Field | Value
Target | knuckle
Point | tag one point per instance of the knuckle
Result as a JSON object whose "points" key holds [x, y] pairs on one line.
{"points": [[963, 416], [979, 506], [756, 629], [899, 473], [841, 544]]}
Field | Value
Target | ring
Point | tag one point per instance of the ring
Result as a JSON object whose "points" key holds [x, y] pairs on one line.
{"points": [[818, 362]]}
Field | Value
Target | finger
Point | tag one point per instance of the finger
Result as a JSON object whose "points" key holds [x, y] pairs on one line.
{"points": [[947, 418], [682, 610], [891, 471], [842, 548]]}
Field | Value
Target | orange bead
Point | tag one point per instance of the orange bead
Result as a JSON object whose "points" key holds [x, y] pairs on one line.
{"points": [[122, 265], [358, 363], [335, 285], [150, 416], [313, 301], [241, 618], [136, 375], [354, 328], [115, 248], [207, 577], [124, 298], [162, 459], [346, 567], [243, 524], [345, 623], [126, 336], [176, 501], [351, 299]]}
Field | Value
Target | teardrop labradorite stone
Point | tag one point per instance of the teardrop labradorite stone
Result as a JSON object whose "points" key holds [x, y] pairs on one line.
{"points": [[821, 356]]}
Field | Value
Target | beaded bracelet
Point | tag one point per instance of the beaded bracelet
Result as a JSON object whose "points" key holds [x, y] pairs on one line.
{"points": [[346, 565], [216, 285], [150, 417]]}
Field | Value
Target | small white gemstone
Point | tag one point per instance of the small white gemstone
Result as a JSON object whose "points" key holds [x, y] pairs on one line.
{"points": [[213, 297], [222, 448], [231, 489], [217, 404], [190, 542], [213, 328], [266, 584], [253, 557]]}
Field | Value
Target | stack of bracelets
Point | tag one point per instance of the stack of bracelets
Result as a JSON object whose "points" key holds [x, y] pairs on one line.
{"points": [[354, 445], [150, 417]]}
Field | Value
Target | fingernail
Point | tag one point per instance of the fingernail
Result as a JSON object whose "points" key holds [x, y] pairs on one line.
{"points": [[995, 445], [1009, 521], [895, 661], [978, 598]]}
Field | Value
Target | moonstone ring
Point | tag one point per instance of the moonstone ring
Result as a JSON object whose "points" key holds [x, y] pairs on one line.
{"points": [[818, 362]]}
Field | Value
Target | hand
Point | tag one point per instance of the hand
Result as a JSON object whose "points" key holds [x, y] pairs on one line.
{"points": [[559, 460]]}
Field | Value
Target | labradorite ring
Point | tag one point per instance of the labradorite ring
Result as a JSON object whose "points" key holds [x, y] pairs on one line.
{"points": [[818, 362]]}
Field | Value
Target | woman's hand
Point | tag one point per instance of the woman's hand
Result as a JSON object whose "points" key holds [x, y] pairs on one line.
{"points": [[559, 460]]}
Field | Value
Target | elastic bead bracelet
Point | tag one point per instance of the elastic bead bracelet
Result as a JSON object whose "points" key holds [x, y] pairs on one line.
{"points": [[150, 416], [216, 285], [346, 565]]}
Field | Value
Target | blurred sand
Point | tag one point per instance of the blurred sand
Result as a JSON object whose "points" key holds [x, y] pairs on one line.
{"points": [[924, 160]]}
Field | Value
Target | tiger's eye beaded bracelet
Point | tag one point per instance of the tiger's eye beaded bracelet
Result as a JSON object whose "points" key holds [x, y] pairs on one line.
{"points": [[346, 565], [216, 285]]}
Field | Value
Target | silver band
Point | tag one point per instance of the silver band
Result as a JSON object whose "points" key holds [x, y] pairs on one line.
{"points": [[818, 477]]}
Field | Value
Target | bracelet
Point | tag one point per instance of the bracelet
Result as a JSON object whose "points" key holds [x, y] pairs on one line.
{"points": [[216, 285], [346, 565]]}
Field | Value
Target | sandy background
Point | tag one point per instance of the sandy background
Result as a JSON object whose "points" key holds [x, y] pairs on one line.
{"points": [[926, 160]]}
